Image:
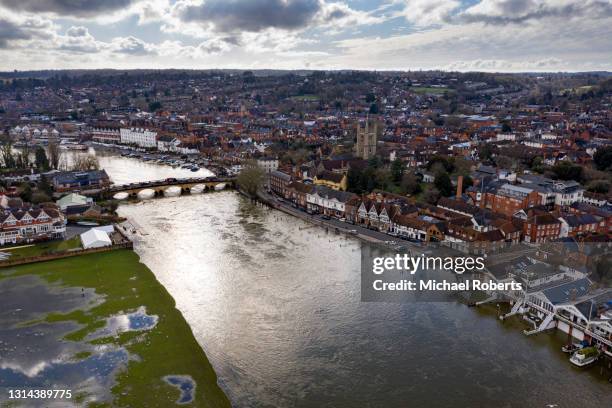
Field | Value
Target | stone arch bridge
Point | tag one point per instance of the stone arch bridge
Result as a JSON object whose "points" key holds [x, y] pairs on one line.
{"points": [[203, 184]]}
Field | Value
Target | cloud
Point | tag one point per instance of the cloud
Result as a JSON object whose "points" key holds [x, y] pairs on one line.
{"points": [[428, 12], [78, 40], [503, 12], [132, 46], [14, 29], [77, 8], [494, 65], [247, 15]]}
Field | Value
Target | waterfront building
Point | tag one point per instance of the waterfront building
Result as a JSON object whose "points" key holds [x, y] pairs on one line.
{"points": [[80, 180], [30, 225], [106, 135], [324, 200], [139, 137], [279, 182]]}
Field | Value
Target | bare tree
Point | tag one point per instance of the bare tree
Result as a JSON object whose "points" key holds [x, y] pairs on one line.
{"points": [[54, 153], [6, 150], [85, 163]]}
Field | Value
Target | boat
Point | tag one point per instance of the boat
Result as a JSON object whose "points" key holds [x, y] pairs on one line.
{"points": [[585, 356], [87, 223], [571, 348]]}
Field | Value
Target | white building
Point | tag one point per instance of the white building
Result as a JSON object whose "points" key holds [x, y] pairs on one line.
{"points": [[268, 164], [139, 137]]}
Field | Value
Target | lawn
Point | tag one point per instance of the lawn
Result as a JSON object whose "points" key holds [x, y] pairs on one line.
{"points": [[169, 348], [24, 251]]}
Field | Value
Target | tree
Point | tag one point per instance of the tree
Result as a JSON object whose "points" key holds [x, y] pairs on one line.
{"points": [[599, 186], [26, 192], [432, 195], [374, 109], [485, 152], [354, 181], [41, 160], [155, 106], [6, 151], [443, 184], [40, 197], [370, 97], [86, 163], [44, 186], [397, 170], [506, 127], [250, 179], [410, 183], [503, 162], [54, 153], [603, 158], [567, 171], [467, 183]]}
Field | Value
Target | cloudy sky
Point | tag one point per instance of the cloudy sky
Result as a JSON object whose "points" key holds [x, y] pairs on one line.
{"points": [[465, 35]]}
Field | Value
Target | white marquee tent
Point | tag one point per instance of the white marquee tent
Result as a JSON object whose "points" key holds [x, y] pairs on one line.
{"points": [[95, 238]]}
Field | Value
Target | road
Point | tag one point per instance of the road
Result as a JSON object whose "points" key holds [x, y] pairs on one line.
{"points": [[341, 226]]}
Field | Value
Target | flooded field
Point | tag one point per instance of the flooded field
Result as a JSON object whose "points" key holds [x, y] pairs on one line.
{"points": [[103, 328]]}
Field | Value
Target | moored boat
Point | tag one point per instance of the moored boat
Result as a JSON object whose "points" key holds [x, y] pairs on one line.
{"points": [[585, 356], [571, 348]]}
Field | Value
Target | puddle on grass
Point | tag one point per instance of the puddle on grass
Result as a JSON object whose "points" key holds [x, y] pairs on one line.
{"points": [[92, 376], [135, 321], [34, 353], [185, 384]]}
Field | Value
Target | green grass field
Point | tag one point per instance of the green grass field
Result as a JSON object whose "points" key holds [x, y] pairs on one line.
{"points": [[27, 250], [167, 349]]}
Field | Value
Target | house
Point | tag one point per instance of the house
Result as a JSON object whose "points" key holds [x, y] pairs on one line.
{"points": [[298, 192], [267, 164], [541, 227], [573, 225], [167, 144], [278, 182], [336, 181], [324, 200], [30, 225]]}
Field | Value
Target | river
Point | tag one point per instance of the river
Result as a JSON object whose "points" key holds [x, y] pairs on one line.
{"points": [[275, 303]]}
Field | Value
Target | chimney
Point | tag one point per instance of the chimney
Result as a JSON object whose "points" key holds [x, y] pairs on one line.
{"points": [[459, 186]]}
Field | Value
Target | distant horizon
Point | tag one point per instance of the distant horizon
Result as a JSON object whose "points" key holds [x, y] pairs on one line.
{"points": [[334, 70]]}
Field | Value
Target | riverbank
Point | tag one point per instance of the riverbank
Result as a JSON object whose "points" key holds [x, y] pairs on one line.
{"points": [[130, 314]]}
